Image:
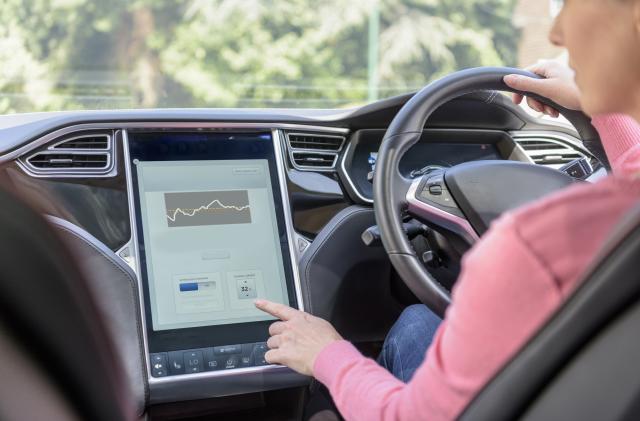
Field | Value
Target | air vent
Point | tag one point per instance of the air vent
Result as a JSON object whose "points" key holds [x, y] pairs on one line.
{"points": [[539, 145], [82, 155], [46, 160], [314, 151], [315, 142], [85, 142], [313, 160], [557, 159], [549, 152]]}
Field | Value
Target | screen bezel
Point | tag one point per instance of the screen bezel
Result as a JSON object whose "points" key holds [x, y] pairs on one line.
{"points": [[226, 334]]}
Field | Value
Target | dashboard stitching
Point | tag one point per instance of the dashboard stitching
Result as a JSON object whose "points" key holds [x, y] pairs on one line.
{"points": [[132, 298], [335, 226], [491, 97]]}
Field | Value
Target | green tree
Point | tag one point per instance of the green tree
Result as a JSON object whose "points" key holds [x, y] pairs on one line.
{"points": [[70, 54]]}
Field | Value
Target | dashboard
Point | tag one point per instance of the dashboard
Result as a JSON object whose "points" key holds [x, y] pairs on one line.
{"points": [[209, 209], [436, 149]]}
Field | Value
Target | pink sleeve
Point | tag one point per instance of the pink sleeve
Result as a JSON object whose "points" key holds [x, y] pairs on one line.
{"points": [[481, 331], [620, 136]]}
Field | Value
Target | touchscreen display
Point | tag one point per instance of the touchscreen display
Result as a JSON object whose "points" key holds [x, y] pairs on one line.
{"points": [[211, 236], [211, 239]]}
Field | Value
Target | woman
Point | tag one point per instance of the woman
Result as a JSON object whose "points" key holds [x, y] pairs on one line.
{"points": [[523, 268]]}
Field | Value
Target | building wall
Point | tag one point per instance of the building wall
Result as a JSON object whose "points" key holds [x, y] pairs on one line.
{"points": [[533, 18]]}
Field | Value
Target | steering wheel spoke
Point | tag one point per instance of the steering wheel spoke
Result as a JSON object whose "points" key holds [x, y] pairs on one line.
{"points": [[429, 201]]}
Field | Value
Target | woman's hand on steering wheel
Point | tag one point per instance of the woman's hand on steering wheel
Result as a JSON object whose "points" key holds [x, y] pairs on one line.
{"points": [[558, 84]]}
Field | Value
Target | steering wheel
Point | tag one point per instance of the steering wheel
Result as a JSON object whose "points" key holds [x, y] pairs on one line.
{"points": [[463, 199]]}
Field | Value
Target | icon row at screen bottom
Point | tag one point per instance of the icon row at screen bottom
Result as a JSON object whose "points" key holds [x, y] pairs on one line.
{"points": [[191, 361]]}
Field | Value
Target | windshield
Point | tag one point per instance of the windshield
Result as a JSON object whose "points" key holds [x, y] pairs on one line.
{"points": [[83, 54]]}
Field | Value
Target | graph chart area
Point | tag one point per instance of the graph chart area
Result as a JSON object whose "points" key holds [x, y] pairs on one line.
{"points": [[224, 207]]}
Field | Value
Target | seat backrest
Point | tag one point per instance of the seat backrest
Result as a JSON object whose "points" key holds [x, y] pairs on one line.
{"points": [[49, 322], [583, 364]]}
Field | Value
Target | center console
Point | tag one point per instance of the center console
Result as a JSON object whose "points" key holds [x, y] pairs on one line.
{"points": [[211, 233]]}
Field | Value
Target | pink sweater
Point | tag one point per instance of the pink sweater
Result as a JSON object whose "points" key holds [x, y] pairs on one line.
{"points": [[511, 282]]}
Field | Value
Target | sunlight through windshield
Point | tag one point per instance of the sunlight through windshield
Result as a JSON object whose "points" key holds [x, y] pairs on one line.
{"points": [[83, 54]]}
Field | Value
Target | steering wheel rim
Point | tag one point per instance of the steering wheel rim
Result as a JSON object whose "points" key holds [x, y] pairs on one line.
{"points": [[390, 187]]}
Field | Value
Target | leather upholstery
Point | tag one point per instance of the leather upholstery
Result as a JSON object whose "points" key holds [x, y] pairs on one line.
{"points": [[49, 313], [346, 282], [25, 391], [116, 291]]}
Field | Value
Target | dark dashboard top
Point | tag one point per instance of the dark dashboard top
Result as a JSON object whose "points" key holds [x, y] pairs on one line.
{"points": [[478, 110]]}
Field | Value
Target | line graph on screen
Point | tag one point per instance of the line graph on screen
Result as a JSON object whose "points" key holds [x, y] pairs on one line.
{"points": [[223, 207]]}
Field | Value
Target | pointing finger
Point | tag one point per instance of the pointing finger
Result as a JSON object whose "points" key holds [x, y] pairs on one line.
{"points": [[280, 311]]}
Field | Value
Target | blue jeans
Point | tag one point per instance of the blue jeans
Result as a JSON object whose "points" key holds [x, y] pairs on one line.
{"points": [[407, 342]]}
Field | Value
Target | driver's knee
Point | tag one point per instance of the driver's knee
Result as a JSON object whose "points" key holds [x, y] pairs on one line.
{"points": [[415, 320], [407, 341]]}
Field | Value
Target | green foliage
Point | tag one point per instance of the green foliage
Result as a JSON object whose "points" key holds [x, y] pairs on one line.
{"points": [[79, 54]]}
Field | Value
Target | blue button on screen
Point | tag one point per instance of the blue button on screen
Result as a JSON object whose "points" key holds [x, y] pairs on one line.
{"points": [[191, 286]]}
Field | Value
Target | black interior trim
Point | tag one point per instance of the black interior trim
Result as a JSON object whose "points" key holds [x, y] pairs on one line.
{"points": [[602, 382], [115, 288], [346, 282]]}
